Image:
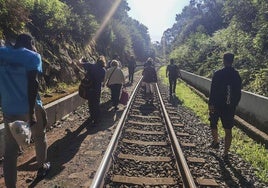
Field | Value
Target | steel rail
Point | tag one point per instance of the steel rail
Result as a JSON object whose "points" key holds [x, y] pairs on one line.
{"points": [[100, 174], [187, 176], [98, 180]]}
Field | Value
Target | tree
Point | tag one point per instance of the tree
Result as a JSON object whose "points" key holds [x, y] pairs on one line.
{"points": [[14, 15]]}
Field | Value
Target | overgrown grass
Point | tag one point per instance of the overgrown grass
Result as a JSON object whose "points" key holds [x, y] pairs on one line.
{"points": [[242, 145]]}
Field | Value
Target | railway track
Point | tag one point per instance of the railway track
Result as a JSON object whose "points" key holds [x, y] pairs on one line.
{"points": [[206, 166], [144, 150]]}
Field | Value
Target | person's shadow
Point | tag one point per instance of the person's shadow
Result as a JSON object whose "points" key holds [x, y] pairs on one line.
{"points": [[60, 152], [228, 171], [64, 149], [147, 108]]}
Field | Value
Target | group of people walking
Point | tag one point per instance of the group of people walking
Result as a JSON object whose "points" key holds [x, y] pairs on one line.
{"points": [[21, 64], [101, 76]]}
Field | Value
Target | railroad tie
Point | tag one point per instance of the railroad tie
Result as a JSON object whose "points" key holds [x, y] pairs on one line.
{"points": [[184, 144], [138, 142], [196, 160], [145, 132], [144, 158], [143, 180], [177, 124], [207, 182], [145, 123], [146, 117], [182, 134]]}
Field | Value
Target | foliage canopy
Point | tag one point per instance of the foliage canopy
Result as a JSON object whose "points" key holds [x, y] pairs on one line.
{"points": [[207, 28]]}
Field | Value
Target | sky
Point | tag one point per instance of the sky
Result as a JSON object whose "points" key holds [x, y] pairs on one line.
{"points": [[156, 15]]}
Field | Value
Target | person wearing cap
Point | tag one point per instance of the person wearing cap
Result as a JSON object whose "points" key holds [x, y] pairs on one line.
{"points": [[225, 94], [19, 69]]}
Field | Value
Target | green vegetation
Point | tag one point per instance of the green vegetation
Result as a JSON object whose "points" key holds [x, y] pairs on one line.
{"points": [[57, 23], [204, 30], [250, 151], [66, 30]]}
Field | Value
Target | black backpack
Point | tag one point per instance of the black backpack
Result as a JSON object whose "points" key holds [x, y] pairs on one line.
{"points": [[86, 86]]}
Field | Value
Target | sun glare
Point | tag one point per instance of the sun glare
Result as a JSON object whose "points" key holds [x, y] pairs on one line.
{"points": [[106, 19]]}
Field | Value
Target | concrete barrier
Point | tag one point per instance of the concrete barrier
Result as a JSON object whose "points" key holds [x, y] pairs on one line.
{"points": [[199, 82], [252, 107], [61, 107]]}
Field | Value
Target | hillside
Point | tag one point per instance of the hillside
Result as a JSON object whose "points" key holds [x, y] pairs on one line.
{"points": [[206, 29]]}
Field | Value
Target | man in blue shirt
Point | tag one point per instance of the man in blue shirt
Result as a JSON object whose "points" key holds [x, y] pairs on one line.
{"points": [[19, 68]]}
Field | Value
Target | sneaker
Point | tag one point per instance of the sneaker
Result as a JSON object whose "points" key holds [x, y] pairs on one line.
{"points": [[43, 171], [215, 145]]}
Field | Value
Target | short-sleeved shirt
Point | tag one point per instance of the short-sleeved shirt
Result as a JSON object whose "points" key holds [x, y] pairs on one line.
{"points": [[14, 65]]}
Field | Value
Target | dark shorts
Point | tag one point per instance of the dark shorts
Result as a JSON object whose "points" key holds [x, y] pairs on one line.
{"points": [[226, 116]]}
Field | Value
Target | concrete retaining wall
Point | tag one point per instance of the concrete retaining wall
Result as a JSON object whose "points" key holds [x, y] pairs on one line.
{"points": [[252, 107], [61, 107], [199, 82]]}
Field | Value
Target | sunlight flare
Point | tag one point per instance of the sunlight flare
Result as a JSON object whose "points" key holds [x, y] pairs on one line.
{"points": [[107, 17]]}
